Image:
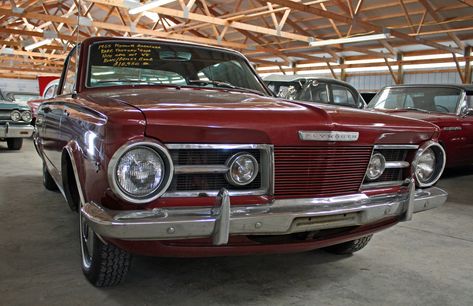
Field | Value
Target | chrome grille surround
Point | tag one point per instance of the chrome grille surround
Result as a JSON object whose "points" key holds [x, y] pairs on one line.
{"points": [[397, 166], [213, 167]]}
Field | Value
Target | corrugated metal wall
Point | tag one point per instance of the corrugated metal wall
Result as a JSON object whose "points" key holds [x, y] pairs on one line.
{"points": [[376, 82]]}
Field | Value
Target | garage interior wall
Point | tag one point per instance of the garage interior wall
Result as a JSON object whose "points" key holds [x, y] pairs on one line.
{"points": [[19, 85]]}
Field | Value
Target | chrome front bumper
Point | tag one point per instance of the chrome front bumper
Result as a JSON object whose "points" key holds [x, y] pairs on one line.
{"points": [[278, 218], [16, 131]]}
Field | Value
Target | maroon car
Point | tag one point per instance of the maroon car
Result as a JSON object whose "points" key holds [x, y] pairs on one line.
{"points": [[174, 149], [448, 106]]}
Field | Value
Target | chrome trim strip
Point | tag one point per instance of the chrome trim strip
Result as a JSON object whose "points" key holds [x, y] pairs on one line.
{"points": [[383, 184], [396, 147], [213, 193], [396, 164], [198, 169], [76, 173], [180, 146], [279, 218]]}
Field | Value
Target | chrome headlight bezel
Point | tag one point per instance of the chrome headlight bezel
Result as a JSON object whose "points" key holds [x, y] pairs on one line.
{"points": [[440, 161], [161, 151], [24, 113], [231, 162], [16, 112], [383, 166]]}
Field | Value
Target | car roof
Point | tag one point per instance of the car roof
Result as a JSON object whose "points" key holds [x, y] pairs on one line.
{"points": [[294, 78], [466, 87]]}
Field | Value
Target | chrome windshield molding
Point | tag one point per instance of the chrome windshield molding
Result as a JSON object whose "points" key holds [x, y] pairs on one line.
{"points": [[278, 218], [396, 147], [199, 169], [383, 184], [159, 149], [177, 146], [397, 164]]}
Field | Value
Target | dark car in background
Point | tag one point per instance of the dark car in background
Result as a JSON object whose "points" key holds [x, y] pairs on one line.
{"points": [[315, 89], [448, 106]]}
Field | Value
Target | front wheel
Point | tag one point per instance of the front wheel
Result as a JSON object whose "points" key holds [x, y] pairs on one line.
{"points": [[14, 143], [103, 264], [349, 247], [48, 180]]}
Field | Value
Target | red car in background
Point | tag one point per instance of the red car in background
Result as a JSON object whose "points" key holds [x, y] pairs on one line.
{"points": [[448, 106]]}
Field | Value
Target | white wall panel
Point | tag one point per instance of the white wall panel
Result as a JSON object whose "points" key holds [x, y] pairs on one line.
{"points": [[19, 85]]}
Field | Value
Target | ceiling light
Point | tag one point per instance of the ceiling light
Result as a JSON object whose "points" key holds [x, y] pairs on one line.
{"points": [[347, 40], [38, 44], [148, 6]]}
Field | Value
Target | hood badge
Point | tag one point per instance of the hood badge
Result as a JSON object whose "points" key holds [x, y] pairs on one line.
{"points": [[328, 136]]}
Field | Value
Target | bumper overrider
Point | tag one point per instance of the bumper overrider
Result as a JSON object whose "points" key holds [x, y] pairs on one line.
{"points": [[16, 131], [278, 218]]}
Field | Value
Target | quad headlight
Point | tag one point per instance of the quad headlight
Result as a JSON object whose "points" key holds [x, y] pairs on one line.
{"points": [[376, 167], [429, 164], [15, 115], [140, 172], [242, 169], [26, 116]]}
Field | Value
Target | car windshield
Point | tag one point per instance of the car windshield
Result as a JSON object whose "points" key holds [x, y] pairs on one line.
{"points": [[285, 90], [430, 99], [158, 63]]}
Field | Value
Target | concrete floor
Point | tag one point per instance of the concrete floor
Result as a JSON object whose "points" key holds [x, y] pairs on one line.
{"points": [[428, 261]]}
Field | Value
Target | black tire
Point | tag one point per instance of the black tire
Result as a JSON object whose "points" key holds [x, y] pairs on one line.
{"points": [[349, 247], [104, 265], [48, 181], [14, 143]]}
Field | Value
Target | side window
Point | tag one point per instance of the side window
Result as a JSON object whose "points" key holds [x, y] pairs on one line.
{"points": [[313, 91], [342, 96], [70, 76]]}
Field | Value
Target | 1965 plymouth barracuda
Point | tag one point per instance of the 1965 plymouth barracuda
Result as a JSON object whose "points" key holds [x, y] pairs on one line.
{"points": [[448, 106], [14, 124], [315, 89], [175, 149]]}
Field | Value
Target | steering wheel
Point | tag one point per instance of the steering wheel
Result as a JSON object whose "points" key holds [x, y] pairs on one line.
{"points": [[442, 107]]}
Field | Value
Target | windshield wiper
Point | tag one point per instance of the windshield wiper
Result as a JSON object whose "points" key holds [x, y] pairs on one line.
{"points": [[225, 85]]}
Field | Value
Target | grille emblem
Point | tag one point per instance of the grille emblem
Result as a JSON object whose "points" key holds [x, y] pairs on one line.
{"points": [[328, 136]]}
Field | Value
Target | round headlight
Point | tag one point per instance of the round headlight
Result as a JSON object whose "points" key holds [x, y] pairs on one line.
{"points": [[26, 116], [429, 164], [242, 169], [15, 115], [376, 166], [140, 172]]}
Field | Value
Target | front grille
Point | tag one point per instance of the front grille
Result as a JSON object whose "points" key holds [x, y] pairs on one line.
{"points": [[5, 115], [305, 172], [198, 183], [208, 181], [392, 174]]}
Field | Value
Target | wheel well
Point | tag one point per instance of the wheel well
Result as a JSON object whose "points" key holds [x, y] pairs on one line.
{"points": [[69, 182]]}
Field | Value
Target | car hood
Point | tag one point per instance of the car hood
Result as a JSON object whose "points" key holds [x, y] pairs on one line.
{"points": [[433, 117], [222, 116], [9, 105]]}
